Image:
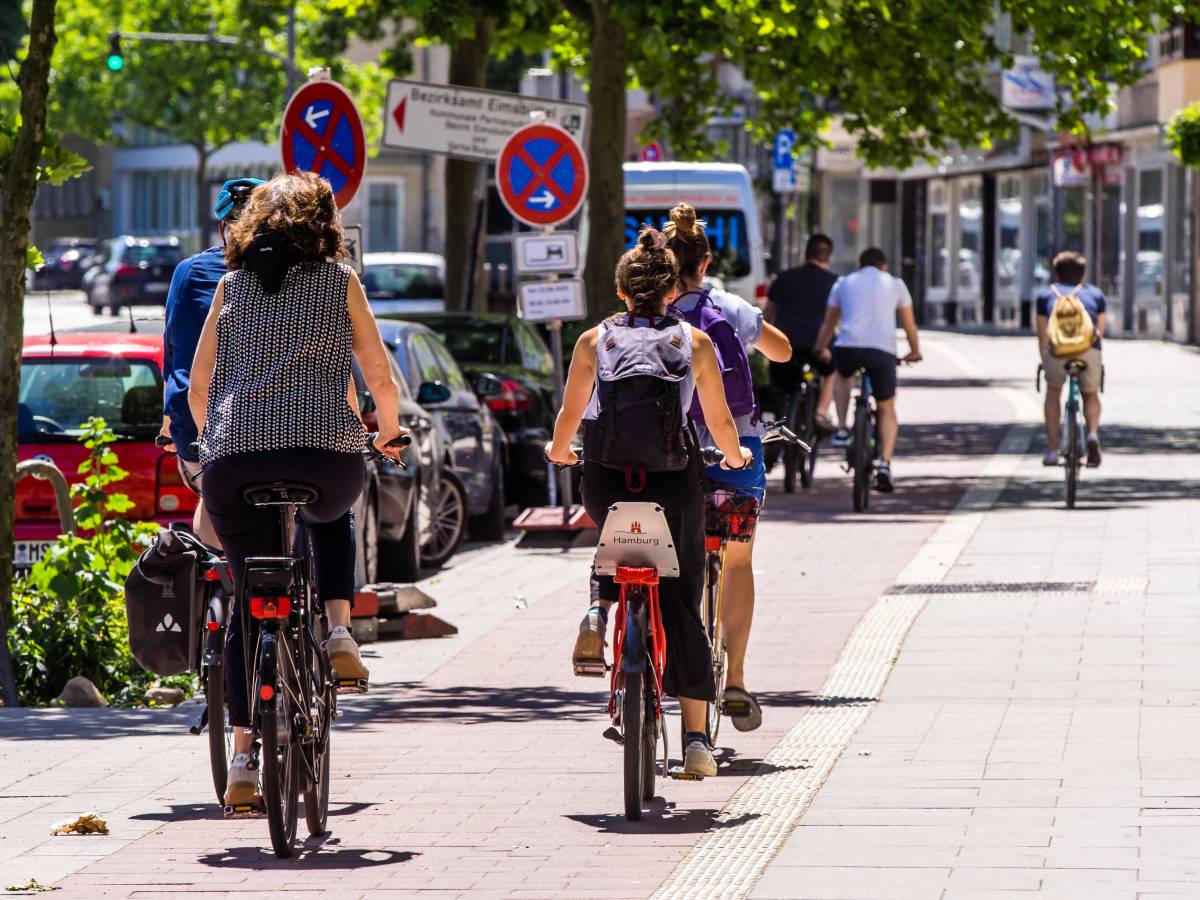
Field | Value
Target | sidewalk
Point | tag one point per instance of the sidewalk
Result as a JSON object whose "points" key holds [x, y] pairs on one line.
{"points": [[475, 767]]}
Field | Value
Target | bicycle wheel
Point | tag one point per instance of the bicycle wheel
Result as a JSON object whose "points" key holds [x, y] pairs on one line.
{"points": [[633, 719], [810, 434], [279, 770], [649, 732], [791, 453], [321, 706], [220, 732], [710, 612], [862, 458], [1072, 461]]}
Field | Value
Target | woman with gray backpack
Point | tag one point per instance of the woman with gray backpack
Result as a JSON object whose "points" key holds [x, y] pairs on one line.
{"points": [[631, 384]]}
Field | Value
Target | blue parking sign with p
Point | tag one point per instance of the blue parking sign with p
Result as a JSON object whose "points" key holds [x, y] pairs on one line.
{"points": [[784, 142]]}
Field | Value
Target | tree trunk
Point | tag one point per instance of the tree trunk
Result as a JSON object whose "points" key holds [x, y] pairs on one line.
{"points": [[468, 68], [16, 196], [203, 214], [606, 153]]}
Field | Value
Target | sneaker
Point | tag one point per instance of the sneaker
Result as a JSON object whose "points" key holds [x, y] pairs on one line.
{"points": [[344, 657], [1093, 447], [883, 477], [698, 759], [841, 438], [825, 427], [1052, 458], [588, 654], [241, 789]]}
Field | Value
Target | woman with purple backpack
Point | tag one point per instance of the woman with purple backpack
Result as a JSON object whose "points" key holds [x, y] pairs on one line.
{"points": [[742, 330], [631, 384]]}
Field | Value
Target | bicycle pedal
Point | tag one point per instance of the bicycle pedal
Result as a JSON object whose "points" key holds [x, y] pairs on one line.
{"points": [[243, 811], [614, 734], [678, 773], [351, 685], [735, 709], [590, 669]]}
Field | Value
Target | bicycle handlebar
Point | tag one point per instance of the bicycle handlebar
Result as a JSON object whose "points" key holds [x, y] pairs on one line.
{"points": [[371, 452]]}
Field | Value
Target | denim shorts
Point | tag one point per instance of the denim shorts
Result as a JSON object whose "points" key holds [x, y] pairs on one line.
{"points": [[752, 479]]}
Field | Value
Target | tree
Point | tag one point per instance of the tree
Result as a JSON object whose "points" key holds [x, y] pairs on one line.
{"points": [[28, 155], [205, 95]]}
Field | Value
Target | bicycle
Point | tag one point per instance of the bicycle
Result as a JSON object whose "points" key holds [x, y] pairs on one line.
{"points": [[801, 420], [293, 694], [863, 449], [1073, 434]]}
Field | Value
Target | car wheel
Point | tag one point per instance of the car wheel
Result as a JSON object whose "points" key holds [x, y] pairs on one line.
{"points": [[401, 560], [442, 515], [366, 541], [489, 525]]}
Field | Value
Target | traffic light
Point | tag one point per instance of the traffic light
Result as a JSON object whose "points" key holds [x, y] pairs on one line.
{"points": [[116, 59]]}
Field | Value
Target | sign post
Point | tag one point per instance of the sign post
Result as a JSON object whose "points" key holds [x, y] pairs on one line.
{"points": [[541, 174], [784, 181]]}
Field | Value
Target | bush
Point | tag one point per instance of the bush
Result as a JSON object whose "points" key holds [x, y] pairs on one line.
{"points": [[1183, 135], [69, 611]]}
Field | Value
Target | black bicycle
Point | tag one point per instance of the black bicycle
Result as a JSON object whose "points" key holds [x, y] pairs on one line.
{"points": [[801, 420], [218, 587], [1072, 442], [863, 449], [293, 694]]}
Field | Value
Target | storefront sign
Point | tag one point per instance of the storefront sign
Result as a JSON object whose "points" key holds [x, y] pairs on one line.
{"points": [[1026, 85], [1071, 170]]}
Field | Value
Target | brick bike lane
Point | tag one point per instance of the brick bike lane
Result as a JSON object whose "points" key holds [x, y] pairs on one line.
{"points": [[488, 775]]}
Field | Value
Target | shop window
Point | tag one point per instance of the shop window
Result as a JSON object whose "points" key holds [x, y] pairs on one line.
{"points": [[385, 216], [970, 236], [1181, 275], [1008, 235], [1043, 230], [1073, 213], [1150, 244], [939, 236]]}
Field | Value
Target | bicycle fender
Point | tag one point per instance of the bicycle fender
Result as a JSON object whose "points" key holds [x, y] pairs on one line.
{"points": [[266, 671], [633, 655]]}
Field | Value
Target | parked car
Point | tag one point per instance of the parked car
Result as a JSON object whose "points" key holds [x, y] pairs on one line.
{"points": [[404, 282], [510, 369], [66, 261], [131, 270], [117, 376], [472, 441]]}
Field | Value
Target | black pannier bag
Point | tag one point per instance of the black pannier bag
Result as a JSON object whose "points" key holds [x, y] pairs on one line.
{"points": [[164, 602]]}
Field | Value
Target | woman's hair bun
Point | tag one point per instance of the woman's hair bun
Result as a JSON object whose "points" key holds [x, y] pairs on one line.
{"points": [[651, 239], [683, 217]]}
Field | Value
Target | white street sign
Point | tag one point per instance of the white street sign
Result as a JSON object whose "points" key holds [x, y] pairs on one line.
{"points": [[1027, 85], [783, 181], [537, 254], [544, 301], [465, 122], [352, 244]]}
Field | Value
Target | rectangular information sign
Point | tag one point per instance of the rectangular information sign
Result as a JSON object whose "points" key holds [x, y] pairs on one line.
{"points": [[352, 244], [537, 254], [466, 122], [544, 301]]}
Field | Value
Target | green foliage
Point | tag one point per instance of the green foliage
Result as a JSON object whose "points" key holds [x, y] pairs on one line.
{"points": [[1183, 135], [69, 611]]}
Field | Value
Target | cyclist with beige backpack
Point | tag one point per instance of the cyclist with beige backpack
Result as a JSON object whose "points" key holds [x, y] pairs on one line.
{"points": [[1070, 323]]}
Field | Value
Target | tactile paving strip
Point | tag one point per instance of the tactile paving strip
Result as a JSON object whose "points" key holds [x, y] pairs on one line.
{"points": [[728, 860]]}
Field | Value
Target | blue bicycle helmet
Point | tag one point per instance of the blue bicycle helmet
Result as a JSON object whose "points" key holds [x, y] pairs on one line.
{"points": [[233, 196]]}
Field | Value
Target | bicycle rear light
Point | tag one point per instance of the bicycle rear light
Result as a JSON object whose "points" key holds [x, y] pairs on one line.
{"points": [[270, 607]]}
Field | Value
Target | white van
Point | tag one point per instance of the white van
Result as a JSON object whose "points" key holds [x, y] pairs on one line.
{"points": [[723, 196]]}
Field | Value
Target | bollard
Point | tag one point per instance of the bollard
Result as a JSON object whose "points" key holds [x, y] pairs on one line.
{"points": [[46, 470]]}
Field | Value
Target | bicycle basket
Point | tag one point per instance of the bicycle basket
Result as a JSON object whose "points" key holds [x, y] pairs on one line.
{"points": [[731, 515]]}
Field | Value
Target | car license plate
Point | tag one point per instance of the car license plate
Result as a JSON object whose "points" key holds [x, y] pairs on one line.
{"points": [[28, 552], [156, 287]]}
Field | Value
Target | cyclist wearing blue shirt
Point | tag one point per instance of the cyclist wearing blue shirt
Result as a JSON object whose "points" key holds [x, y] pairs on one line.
{"points": [[188, 302], [1069, 269], [747, 486]]}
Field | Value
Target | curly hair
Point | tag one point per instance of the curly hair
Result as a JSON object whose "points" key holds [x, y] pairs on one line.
{"points": [[687, 239], [300, 207], [647, 273]]}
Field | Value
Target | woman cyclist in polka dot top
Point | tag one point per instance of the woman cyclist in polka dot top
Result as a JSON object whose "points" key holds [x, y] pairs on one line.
{"points": [[273, 397]]}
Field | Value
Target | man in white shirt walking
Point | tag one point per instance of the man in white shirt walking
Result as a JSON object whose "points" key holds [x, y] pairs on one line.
{"points": [[867, 304]]}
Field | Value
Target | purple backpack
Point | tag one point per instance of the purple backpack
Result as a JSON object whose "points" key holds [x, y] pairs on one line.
{"points": [[731, 357]]}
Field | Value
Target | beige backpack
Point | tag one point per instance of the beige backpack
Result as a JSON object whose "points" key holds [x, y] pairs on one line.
{"points": [[1070, 329]]}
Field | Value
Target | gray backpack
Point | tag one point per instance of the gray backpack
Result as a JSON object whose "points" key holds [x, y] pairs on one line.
{"points": [[635, 418]]}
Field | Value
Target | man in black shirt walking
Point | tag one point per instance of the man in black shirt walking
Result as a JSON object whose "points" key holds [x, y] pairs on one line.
{"points": [[796, 306]]}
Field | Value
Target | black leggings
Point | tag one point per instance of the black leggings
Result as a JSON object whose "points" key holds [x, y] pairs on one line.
{"points": [[247, 531], [689, 670]]}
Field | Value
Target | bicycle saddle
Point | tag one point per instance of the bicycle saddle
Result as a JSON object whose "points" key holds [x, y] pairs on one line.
{"points": [[1076, 366], [280, 493]]}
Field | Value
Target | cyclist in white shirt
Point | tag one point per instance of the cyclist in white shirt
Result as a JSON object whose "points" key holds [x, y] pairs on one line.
{"points": [[867, 303]]}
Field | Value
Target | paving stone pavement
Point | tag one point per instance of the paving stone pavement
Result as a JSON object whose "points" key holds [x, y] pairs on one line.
{"points": [[476, 768]]}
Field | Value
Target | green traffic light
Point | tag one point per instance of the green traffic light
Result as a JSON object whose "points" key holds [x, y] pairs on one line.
{"points": [[116, 62]]}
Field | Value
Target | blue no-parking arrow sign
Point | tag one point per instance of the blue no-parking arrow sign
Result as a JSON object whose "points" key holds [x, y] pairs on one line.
{"points": [[541, 175], [322, 132]]}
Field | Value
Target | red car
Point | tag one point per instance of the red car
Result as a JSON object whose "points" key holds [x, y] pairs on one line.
{"points": [[117, 376]]}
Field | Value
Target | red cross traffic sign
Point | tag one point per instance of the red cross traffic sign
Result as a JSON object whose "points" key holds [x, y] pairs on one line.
{"points": [[322, 132], [542, 175]]}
